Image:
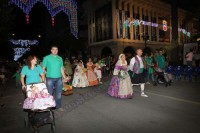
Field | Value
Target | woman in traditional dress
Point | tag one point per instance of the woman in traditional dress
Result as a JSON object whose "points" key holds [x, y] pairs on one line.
{"points": [[80, 78], [97, 70], [120, 85], [92, 78]]}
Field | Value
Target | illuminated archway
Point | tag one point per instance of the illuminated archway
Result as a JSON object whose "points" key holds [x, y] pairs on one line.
{"points": [[69, 7]]}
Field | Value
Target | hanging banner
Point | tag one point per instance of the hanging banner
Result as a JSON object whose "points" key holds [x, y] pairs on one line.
{"points": [[136, 23]]}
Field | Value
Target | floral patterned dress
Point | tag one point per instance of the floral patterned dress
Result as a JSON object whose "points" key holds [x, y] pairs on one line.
{"points": [[92, 78], [38, 97], [120, 85], [80, 78]]}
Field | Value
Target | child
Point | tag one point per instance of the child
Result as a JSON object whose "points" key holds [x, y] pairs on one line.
{"points": [[150, 71], [17, 78], [80, 78], [97, 70]]}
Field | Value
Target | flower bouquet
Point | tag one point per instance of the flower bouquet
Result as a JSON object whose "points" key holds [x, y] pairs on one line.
{"points": [[84, 70], [122, 74], [67, 89]]}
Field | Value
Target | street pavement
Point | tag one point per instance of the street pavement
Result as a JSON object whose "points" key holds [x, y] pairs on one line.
{"points": [[173, 109]]}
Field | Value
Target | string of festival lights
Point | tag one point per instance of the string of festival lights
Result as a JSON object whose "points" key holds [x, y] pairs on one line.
{"points": [[69, 7]]}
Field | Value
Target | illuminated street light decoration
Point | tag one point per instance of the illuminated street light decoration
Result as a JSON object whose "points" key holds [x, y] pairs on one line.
{"points": [[69, 7], [24, 43], [137, 22], [164, 25], [22, 47]]}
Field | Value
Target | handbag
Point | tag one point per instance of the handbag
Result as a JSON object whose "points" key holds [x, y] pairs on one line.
{"points": [[122, 74]]}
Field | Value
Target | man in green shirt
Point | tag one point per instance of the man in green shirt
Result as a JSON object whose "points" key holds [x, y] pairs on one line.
{"points": [[54, 73], [161, 63], [160, 59]]}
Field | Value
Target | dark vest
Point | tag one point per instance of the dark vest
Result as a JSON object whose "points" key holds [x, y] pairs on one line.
{"points": [[136, 66]]}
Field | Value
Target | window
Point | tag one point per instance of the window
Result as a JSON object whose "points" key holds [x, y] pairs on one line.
{"points": [[103, 23]]}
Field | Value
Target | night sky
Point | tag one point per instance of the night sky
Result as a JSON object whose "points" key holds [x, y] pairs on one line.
{"points": [[190, 5], [40, 24], [40, 20]]}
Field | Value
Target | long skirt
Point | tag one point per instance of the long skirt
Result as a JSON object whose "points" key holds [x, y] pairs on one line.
{"points": [[80, 80], [92, 78], [120, 88]]}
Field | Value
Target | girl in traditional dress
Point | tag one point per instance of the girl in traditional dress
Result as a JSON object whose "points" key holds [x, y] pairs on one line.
{"points": [[120, 85], [97, 70], [92, 78], [80, 78]]}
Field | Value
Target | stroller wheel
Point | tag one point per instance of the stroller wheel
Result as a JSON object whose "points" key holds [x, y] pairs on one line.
{"points": [[53, 129], [160, 81]]}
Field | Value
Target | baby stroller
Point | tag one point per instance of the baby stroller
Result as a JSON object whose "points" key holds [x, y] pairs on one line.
{"points": [[38, 104], [161, 77]]}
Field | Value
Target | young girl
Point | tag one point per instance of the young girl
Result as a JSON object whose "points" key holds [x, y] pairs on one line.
{"points": [[97, 70], [91, 76], [150, 70], [17, 78], [80, 78]]}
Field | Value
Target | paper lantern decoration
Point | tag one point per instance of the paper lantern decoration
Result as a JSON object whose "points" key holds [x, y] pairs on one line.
{"points": [[164, 25]]}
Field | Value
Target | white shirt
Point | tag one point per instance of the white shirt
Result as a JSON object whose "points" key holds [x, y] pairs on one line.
{"points": [[132, 62], [189, 56]]}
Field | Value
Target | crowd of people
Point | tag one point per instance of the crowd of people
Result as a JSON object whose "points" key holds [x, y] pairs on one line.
{"points": [[140, 70]]}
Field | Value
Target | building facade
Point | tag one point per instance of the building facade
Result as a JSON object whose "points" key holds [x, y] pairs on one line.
{"points": [[116, 26]]}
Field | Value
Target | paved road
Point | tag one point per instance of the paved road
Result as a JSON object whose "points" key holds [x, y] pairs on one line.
{"points": [[174, 109]]}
